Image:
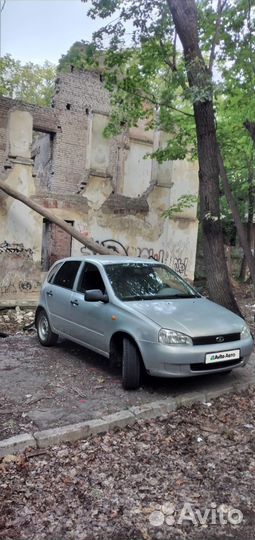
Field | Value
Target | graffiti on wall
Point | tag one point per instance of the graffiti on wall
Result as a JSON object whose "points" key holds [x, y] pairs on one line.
{"points": [[22, 286], [17, 249], [178, 264]]}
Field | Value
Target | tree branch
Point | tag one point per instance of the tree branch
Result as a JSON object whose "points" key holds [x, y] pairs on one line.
{"points": [[220, 7], [168, 62], [174, 50], [154, 101]]}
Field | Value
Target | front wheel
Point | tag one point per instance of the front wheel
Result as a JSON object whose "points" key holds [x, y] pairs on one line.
{"points": [[131, 365], [44, 332]]}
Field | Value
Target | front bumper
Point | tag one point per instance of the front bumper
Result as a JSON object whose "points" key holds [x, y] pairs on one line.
{"points": [[189, 360]]}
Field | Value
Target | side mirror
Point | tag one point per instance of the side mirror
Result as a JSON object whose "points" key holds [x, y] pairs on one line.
{"points": [[96, 295]]}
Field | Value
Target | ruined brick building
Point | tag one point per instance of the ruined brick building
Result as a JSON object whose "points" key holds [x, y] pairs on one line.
{"points": [[59, 157]]}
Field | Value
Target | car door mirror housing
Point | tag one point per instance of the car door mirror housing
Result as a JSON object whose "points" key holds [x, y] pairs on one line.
{"points": [[96, 295]]}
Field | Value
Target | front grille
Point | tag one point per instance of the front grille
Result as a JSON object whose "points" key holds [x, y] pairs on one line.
{"points": [[210, 340], [218, 365]]}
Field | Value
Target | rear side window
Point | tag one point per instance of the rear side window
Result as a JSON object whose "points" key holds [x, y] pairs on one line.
{"points": [[53, 271], [66, 275]]}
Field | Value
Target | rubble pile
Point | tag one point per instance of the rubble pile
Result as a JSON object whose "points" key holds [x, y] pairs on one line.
{"points": [[13, 321]]}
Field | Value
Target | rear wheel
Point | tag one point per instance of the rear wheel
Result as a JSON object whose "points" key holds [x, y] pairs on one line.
{"points": [[44, 332], [131, 365]]}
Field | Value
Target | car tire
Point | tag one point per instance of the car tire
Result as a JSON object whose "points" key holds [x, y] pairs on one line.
{"points": [[131, 365], [45, 335]]}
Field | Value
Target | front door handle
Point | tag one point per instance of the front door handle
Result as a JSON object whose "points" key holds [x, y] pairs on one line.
{"points": [[74, 302], [49, 293]]}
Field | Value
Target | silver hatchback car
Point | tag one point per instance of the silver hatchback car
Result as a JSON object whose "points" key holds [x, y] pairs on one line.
{"points": [[140, 313]]}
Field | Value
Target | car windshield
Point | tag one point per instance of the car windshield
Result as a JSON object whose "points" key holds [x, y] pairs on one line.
{"points": [[141, 281]]}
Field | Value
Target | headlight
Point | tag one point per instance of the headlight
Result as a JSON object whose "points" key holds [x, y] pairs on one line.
{"points": [[171, 337], [245, 332]]}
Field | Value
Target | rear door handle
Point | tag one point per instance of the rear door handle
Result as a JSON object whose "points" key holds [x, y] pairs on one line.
{"points": [[49, 293], [74, 302]]}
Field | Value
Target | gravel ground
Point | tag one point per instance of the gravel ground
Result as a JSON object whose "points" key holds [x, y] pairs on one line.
{"points": [[142, 481]]}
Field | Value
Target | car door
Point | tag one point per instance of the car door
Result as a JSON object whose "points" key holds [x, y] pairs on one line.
{"points": [[58, 295], [88, 319]]}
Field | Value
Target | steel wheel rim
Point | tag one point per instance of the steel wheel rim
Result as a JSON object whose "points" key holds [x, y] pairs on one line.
{"points": [[43, 328]]}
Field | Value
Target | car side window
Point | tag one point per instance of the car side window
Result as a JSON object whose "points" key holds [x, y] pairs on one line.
{"points": [[67, 274], [90, 279], [53, 271]]}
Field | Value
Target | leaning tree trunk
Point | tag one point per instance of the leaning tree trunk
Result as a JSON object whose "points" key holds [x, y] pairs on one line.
{"points": [[184, 15], [87, 242]]}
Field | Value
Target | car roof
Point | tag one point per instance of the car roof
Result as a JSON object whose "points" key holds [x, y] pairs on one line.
{"points": [[108, 259]]}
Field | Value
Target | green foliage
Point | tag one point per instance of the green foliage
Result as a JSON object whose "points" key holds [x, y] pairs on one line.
{"points": [[185, 201], [142, 86], [81, 55], [151, 71], [236, 104], [29, 82]]}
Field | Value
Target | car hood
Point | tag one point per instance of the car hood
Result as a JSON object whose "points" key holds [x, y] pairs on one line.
{"points": [[192, 316]]}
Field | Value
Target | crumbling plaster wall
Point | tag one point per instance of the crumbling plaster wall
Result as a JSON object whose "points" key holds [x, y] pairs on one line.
{"points": [[125, 194], [104, 187], [20, 227]]}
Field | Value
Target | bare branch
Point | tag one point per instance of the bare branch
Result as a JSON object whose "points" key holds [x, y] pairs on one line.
{"points": [[175, 109]]}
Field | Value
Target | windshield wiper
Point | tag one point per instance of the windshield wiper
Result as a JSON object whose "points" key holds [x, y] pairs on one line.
{"points": [[130, 298], [158, 297], [175, 296]]}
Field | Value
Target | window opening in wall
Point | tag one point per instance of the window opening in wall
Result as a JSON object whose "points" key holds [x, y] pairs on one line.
{"points": [[56, 244], [42, 153]]}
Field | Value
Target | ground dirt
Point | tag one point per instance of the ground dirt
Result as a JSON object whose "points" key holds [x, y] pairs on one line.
{"points": [[140, 482]]}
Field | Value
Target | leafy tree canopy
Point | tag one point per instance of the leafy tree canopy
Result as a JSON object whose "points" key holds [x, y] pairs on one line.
{"points": [[81, 55], [29, 82], [143, 64]]}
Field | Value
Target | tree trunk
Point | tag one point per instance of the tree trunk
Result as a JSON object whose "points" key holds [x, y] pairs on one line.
{"points": [[250, 126], [87, 242], [239, 226], [249, 225], [244, 271], [184, 15]]}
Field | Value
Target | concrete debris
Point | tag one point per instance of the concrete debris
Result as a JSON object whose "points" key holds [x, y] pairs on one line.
{"points": [[16, 320]]}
